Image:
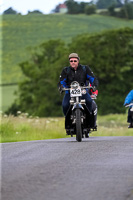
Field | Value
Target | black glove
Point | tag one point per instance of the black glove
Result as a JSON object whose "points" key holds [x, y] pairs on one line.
{"points": [[94, 88], [60, 89]]}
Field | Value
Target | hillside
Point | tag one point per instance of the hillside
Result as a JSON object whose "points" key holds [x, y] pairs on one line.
{"points": [[21, 32]]}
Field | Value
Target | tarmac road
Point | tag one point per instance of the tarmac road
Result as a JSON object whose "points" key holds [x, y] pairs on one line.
{"points": [[98, 168]]}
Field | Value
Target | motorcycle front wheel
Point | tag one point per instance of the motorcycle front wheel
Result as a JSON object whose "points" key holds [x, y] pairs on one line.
{"points": [[78, 125]]}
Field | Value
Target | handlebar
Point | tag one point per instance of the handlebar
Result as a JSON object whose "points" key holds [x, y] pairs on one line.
{"points": [[131, 104], [82, 87]]}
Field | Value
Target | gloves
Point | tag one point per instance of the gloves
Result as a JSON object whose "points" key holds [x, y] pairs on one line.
{"points": [[93, 96], [94, 88], [61, 89]]}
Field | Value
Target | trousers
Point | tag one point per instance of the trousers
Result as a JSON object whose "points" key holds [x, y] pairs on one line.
{"points": [[130, 116], [66, 104]]}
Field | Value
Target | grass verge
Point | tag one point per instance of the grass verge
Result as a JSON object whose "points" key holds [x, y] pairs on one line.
{"points": [[23, 128]]}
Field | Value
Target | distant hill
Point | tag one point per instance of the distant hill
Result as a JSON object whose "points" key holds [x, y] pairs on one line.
{"points": [[20, 32]]}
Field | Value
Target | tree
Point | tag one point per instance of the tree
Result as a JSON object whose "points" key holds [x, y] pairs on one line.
{"points": [[10, 11], [102, 4], [111, 10], [109, 55], [56, 10], [73, 7], [90, 9], [126, 11], [34, 12], [119, 3], [82, 6], [38, 93]]}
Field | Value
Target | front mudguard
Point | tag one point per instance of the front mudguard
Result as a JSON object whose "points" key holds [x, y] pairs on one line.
{"points": [[68, 119], [77, 106]]}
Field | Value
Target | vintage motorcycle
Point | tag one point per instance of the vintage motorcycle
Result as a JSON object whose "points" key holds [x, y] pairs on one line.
{"points": [[78, 120], [131, 111]]}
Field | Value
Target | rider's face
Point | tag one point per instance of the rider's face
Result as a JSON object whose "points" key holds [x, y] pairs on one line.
{"points": [[74, 63]]}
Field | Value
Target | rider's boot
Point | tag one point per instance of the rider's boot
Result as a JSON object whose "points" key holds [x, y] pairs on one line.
{"points": [[130, 125], [95, 119]]}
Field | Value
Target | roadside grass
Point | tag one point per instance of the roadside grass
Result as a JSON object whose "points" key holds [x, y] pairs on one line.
{"points": [[113, 125], [24, 128]]}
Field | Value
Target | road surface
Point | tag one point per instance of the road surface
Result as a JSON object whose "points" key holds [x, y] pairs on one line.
{"points": [[98, 168]]}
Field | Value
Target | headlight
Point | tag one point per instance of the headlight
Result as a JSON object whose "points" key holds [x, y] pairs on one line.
{"points": [[84, 91], [74, 84]]}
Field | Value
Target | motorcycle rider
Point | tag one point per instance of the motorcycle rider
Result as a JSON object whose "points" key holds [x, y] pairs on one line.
{"points": [[128, 100], [79, 73]]}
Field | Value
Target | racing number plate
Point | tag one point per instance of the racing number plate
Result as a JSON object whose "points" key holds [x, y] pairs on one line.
{"points": [[75, 92]]}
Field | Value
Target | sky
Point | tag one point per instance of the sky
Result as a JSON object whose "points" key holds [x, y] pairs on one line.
{"points": [[23, 6]]}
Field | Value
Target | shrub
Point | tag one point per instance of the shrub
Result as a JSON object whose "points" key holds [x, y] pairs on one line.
{"points": [[90, 9]]}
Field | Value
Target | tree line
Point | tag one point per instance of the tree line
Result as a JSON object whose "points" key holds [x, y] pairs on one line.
{"points": [[109, 55], [11, 11], [125, 8], [74, 7]]}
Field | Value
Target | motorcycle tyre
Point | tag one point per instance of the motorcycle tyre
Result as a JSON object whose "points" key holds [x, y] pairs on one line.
{"points": [[78, 125]]}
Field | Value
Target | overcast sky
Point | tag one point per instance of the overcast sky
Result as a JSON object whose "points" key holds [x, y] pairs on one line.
{"points": [[23, 6]]}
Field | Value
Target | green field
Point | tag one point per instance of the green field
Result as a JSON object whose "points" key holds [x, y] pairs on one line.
{"points": [[20, 33], [23, 128], [8, 95]]}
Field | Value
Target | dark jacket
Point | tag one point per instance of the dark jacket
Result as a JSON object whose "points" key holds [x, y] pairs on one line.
{"points": [[81, 75]]}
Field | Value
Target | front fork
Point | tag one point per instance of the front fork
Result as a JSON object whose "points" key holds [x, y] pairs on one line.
{"points": [[73, 117], [77, 105]]}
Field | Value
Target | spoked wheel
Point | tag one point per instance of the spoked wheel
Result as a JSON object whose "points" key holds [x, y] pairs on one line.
{"points": [[78, 125]]}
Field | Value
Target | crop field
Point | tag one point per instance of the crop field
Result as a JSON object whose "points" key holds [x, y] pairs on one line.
{"points": [[8, 95], [22, 33], [26, 128]]}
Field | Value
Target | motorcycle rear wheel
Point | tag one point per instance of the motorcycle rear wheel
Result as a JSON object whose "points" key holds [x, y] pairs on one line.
{"points": [[78, 125]]}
